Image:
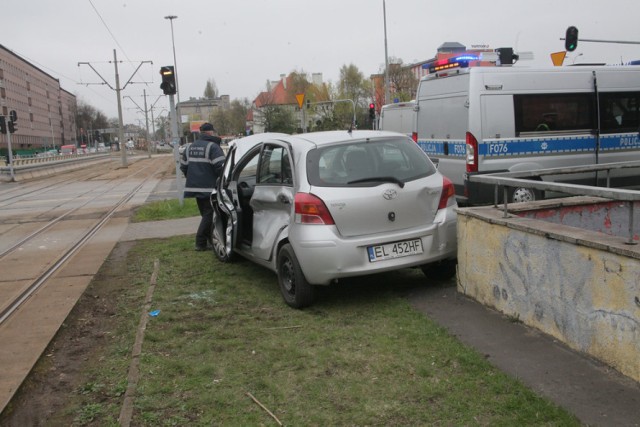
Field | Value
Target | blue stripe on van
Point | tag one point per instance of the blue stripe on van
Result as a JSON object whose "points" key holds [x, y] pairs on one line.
{"points": [[529, 146], [533, 146], [620, 141], [442, 147]]}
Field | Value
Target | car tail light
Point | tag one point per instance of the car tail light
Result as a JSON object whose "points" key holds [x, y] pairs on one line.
{"points": [[310, 209], [414, 136], [472, 153], [448, 193]]}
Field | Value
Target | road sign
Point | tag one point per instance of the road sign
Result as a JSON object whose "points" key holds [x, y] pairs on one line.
{"points": [[558, 58], [300, 98]]}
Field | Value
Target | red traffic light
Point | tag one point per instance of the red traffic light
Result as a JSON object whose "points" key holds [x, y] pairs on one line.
{"points": [[372, 106]]}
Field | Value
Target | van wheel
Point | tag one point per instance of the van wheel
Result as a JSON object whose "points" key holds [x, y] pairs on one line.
{"points": [[295, 289], [521, 194]]}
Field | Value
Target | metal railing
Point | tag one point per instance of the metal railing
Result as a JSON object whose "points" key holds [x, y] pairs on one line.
{"points": [[508, 180], [34, 160]]}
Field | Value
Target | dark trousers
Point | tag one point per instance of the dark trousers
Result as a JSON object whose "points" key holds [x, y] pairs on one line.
{"points": [[203, 235]]}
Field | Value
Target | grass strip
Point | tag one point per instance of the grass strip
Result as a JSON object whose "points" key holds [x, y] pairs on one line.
{"points": [[166, 209], [360, 356]]}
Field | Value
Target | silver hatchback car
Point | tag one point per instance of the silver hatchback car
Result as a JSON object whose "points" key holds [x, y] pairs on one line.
{"points": [[318, 207]]}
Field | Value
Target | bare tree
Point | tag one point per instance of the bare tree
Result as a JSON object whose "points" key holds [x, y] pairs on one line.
{"points": [[352, 85], [211, 90], [403, 82]]}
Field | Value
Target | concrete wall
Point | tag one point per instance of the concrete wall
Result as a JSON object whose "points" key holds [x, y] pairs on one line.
{"points": [[580, 286], [589, 213]]}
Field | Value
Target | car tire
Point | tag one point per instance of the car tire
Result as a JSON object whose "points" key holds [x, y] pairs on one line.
{"points": [[219, 241], [295, 289], [442, 270]]}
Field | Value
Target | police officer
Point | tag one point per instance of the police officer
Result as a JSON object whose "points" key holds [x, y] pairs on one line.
{"points": [[201, 162]]}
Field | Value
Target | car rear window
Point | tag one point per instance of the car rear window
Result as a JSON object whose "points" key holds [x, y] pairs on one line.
{"points": [[367, 163]]}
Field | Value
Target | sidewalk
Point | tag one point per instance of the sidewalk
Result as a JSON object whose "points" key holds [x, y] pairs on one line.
{"points": [[596, 394]]}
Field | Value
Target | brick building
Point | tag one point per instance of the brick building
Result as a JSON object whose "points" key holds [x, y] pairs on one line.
{"points": [[46, 112]]}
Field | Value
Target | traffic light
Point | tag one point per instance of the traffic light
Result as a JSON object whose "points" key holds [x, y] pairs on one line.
{"points": [[168, 84], [571, 39], [506, 56], [13, 118], [372, 111]]}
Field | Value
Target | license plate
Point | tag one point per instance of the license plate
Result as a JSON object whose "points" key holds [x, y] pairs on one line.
{"points": [[394, 250]]}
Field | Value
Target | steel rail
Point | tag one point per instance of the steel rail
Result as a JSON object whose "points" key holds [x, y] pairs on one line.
{"points": [[42, 279]]}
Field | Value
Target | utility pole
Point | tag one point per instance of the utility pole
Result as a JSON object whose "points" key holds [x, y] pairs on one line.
{"points": [[123, 149], [386, 57], [146, 122], [175, 65], [118, 89], [146, 115], [176, 146]]}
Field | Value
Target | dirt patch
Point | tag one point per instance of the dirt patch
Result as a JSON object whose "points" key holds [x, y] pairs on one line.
{"points": [[80, 341]]}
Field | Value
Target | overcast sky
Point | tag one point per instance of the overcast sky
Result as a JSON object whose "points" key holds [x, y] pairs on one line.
{"points": [[242, 44]]}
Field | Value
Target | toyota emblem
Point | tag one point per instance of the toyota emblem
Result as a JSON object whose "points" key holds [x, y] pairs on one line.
{"points": [[390, 194]]}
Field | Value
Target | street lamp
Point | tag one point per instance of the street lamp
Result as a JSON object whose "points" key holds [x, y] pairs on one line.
{"points": [[175, 64], [175, 122], [386, 56]]}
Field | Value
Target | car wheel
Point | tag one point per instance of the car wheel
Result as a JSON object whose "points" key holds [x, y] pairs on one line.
{"points": [[221, 238], [295, 289], [442, 270]]}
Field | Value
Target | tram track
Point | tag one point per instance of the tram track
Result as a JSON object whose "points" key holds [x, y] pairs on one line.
{"points": [[13, 252], [60, 217], [17, 190], [41, 280]]}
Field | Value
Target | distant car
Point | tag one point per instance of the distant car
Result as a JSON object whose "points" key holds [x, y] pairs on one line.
{"points": [[319, 207], [48, 153]]}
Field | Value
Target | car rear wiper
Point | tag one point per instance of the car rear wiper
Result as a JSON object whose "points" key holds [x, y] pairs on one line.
{"points": [[379, 179]]}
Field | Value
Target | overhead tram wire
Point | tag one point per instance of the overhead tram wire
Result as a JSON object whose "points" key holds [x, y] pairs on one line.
{"points": [[109, 30]]}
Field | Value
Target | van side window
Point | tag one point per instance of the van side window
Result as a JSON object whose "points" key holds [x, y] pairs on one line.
{"points": [[541, 113], [620, 111]]}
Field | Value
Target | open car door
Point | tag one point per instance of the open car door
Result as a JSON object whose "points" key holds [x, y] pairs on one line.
{"points": [[230, 200], [225, 218]]}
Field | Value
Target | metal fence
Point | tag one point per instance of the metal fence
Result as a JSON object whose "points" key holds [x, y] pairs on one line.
{"points": [[524, 179]]}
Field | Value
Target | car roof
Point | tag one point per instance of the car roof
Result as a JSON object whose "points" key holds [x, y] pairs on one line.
{"points": [[248, 142], [312, 139], [330, 137]]}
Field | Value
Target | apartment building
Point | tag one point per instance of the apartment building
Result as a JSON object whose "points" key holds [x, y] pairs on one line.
{"points": [[46, 112]]}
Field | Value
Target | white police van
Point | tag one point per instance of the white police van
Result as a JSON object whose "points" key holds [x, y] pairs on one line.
{"points": [[497, 119], [399, 117]]}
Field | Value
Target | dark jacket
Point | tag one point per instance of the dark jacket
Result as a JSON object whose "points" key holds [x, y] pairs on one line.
{"points": [[201, 162]]}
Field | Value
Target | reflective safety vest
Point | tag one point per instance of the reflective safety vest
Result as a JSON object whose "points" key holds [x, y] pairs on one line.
{"points": [[201, 162]]}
